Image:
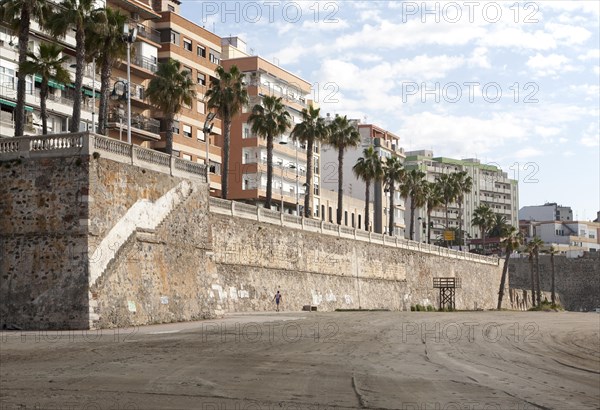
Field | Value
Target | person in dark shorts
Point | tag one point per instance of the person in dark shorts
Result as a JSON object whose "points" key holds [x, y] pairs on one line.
{"points": [[277, 298]]}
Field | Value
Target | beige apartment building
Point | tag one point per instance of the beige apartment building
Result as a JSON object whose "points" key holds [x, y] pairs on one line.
{"points": [[248, 155], [386, 144]]}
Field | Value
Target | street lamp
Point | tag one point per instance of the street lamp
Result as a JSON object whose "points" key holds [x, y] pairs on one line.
{"points": [[129, 36], [207, 129], [93, 92], [115, 96]]}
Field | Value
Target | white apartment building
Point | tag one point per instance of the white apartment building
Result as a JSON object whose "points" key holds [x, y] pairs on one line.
{"points": [[547, 212], [491, 186]]}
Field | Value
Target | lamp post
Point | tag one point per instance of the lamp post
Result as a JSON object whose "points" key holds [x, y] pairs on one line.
{"points": [[129, 36], [93, 92], [208, 125], [281, 186], [115, 96]]}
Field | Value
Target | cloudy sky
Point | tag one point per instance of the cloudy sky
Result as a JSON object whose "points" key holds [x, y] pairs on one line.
{"points": [[513, 84]]}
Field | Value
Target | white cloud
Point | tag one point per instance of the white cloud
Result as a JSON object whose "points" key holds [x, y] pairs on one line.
{"points": [[568, 34], [479, 58], [549, 65], [593, 54], [546, 132], [591, 135], [528, 152]]}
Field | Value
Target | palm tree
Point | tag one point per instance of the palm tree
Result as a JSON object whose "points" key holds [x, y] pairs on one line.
{"points": [[553, 251], [498, 227], [49, 66], [530, 248], [393, 173], [413, 186], [76, 14], [311, 130], [483, 217], [19, 14], [342, 135], [369, 169], [448, 191], [512, 241], [227, 94], [433, 199], [105, 42], [463, 184], [268, 120], [169, 90], [537, 245]]}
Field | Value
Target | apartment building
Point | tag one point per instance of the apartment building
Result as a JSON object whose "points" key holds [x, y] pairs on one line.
{"points": [[491, 186], [354, 209], [60, 98], [199, 52], [386, 144], [248, 156], [547, 212], [567, 237]]}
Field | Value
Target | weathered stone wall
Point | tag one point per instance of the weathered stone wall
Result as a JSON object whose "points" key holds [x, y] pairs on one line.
{"points": [[43, 243], [577, 280], [90, 242]]}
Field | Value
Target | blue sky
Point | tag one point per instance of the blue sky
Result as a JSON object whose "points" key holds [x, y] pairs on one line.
{"points": [[513, 84]]}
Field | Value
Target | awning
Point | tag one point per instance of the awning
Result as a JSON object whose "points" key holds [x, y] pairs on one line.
{"points": [[86, 91], [13, 104], [53, 84]]}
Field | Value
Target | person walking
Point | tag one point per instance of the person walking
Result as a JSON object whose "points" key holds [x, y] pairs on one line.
{"points": [[277, 298]]}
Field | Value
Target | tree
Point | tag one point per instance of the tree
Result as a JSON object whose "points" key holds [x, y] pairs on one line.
{"points": [[433, 199], [105, 42], [369, 169], [227, 94], [448, 191], [463, 184], [537, 244], [553, 251], [268, 120], [413, 186], [311, 130], [512, 241], [19, 14], [530, 249], [169, 90], [48, 64], [343, 134], [76, 14], [483, 217], [393, 173], [499, 227]]}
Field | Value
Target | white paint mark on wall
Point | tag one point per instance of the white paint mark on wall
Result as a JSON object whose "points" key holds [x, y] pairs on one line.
{"points": [[233, 293], [330, 297], [143, 214], [348, 299], [131, 306], [219, 289], [317, 298], [243, 294], [164, 300]]}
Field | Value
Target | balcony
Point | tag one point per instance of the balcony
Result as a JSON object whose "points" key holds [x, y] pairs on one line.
{"points": [[148, 33], [145, 63], [138, 122]]}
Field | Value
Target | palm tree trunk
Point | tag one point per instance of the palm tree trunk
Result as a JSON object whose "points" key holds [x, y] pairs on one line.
{"points": [[105, 72], [460, 236], [341, 186], [552, 290], [428, 225], [537, 274], [503, 278], [483, 229], [43, 98], [270, 171], [309, 177], [532, 280], [367, 198], [412, 218], [80, 60], [23, 39], [169, 134], [391, 209], [226, 144]]}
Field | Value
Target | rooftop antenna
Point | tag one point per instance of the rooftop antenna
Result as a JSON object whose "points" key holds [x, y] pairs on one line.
{"points": [[251, 51], [276, 61]]}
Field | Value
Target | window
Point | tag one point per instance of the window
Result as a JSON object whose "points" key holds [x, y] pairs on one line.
{"points": [[322, 212], [201, 78], [175, 127], [201, 51], [187, 44], [200, 107], [214, 57], [330, 215], [171, 8], [187, 131], [199, 135], [186, 156], [174, 37]]}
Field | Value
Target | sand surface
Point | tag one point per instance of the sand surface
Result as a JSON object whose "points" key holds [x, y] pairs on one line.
{"points": [[309, 360]]}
